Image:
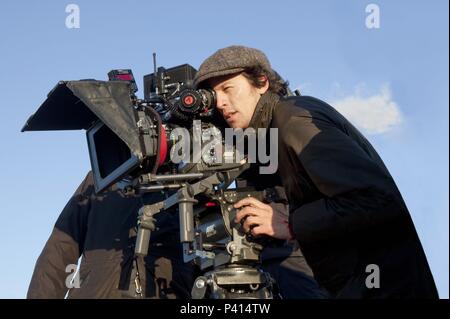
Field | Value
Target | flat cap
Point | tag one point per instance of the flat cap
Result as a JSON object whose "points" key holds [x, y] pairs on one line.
{"points": [[229, 60]]}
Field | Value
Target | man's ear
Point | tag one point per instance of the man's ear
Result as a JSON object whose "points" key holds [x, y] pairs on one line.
{"points": [[265, 87]]}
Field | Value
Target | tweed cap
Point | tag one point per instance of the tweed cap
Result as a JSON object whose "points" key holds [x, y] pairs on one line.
{"points": [[229, 60]]}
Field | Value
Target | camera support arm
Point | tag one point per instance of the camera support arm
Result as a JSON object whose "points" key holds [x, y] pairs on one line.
{"points": [[185, 199]]}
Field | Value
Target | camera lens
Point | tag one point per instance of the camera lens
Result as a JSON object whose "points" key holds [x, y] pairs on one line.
{"points": [[197, 101]]}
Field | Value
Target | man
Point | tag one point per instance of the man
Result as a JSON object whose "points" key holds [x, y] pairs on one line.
{"points": [[345, 210], [101, 229]]}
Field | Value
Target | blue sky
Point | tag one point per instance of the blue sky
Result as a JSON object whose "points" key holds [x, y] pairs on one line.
{"points": [[392, 82]]}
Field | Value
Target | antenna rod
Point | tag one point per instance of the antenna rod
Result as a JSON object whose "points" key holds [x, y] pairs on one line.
{"points": [[154, 72]]}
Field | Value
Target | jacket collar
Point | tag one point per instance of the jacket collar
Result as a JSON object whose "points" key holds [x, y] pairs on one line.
{"points": [[262, 117]]}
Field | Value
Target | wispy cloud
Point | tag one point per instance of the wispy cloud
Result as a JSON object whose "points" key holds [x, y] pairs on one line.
{"points": [[376, 114]]}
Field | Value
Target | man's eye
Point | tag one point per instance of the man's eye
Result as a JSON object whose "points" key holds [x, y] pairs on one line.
{"points": [[227, 88]]}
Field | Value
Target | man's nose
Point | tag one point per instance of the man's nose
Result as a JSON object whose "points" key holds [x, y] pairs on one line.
{"points": [[221, 101]]}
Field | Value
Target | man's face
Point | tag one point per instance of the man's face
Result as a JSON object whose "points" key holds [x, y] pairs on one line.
{"points": [[236, 98]]}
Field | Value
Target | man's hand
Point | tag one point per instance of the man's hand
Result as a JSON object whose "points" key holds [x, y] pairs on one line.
{"points": [[258, 218]]}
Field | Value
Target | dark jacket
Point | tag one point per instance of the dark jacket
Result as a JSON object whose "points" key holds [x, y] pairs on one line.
{"points": [[345, 209], [101, 229]]}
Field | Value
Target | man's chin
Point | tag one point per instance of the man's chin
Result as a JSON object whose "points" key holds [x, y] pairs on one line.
{"points": [[236, 124], [231, 124]]}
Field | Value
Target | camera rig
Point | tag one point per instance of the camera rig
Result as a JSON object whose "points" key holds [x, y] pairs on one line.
{"points": [[129, 141]]}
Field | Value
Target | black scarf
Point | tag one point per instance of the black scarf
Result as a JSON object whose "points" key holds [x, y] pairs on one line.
{"points": [[262, 117]]}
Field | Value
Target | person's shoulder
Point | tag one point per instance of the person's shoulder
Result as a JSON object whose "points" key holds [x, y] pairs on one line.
{"points": [[291, 106], [301, 104], [305, 108], [87, 185]]}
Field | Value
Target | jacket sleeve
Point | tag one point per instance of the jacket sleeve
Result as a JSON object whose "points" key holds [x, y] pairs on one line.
{"points": [[64, 246], [356, 189]]}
